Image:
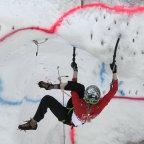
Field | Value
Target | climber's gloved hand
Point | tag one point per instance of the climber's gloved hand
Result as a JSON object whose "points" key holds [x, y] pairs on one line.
{"points": [[74, 66], [113, 67]]}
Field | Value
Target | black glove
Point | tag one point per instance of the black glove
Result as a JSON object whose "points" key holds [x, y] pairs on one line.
{"points": [[42, 84], [74, 66], [113, 67]]}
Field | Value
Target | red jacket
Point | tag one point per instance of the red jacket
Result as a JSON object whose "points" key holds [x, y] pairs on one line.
{"points": [[81, 107]]}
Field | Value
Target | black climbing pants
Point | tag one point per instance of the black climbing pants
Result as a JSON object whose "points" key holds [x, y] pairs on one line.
{"points": [[62, 113]]}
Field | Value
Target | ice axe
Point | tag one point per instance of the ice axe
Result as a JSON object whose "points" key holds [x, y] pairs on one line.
{"points": [[74, 54], [114, 55], [115, 50]]}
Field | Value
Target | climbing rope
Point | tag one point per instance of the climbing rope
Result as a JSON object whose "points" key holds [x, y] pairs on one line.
{"points": [[59, 78], [62, 90]]}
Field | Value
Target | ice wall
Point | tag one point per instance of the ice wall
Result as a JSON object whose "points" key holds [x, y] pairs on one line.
{"points": [[92, 29]]}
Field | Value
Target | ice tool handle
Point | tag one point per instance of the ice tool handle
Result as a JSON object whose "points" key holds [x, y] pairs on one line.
{"points": [[115, 50], [74, 49]]}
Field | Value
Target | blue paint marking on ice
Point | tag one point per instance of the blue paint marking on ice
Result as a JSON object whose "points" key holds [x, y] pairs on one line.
{"points": [[16, 103], [102, 72], [1, 88], [121, 92], [31, 100], [6, 102], [102, 78]]}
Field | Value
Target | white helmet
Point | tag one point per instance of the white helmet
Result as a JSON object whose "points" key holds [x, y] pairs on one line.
{"points": [[92, 94]]}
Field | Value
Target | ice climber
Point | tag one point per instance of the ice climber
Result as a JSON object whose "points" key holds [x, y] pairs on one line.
{"points": [[84, 105]]}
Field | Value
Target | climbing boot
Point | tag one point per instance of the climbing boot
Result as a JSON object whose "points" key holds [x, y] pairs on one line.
{"points": [[29, 125], [47, 86]]}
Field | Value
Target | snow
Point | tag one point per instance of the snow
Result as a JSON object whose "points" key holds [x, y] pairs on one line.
{"points": [[94, 31]]}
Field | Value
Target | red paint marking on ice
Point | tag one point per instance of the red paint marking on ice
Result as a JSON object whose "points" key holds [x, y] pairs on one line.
{"points": [[118, 8], [28, 28], [53, 28], [72, 135], [129, 98]]}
